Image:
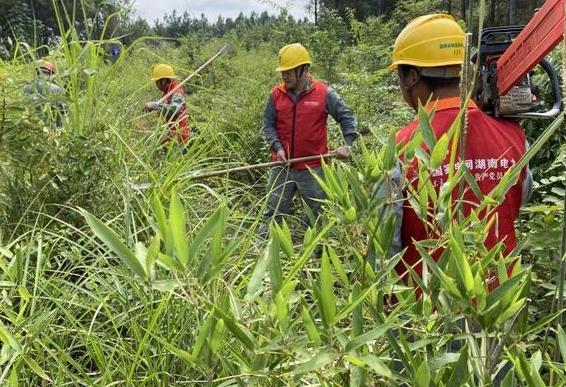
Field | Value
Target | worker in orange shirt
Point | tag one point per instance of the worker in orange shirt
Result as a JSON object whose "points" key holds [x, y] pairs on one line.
{"points": [[174, 107]]}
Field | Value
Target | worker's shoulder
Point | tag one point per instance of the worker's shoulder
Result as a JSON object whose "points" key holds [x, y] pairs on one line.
{"points": [[479, 116], [404, 135]]}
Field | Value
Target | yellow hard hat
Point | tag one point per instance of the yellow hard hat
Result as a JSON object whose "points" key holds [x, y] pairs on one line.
{"points": [[162, 70], [430, 41], [291, 56]]}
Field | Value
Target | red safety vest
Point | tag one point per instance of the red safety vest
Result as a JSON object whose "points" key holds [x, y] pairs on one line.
{"points": [[179, 123], [301, 126], [492, 147]]}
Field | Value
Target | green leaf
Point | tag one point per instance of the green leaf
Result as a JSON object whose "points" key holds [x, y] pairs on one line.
{"points": [[275, 272], [315, 363], [425, 127], [177, 223], [377, 365], [439, 361], [169, 263], [112, 241], [439, 152], [217, 336], [284, 236], [241, 333], [510, 312], [422, 376], [368, 336], [256, 280], [460, 374], [8, 339], [162, 225], [203, 335], [216, 220], [561, 337], [310, 327], [36, 368], [327, 290], [165, 285]]}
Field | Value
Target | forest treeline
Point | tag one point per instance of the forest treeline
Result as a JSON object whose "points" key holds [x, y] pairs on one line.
{"points": [[35, 22]]}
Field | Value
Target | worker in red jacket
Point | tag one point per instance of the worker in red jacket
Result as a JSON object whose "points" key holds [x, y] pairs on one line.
{"points": [[428, 55], [294, 125], [174, 107]]}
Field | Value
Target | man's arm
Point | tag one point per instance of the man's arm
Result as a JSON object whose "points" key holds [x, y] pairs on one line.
{"points": [[268, 126], [338, 109], [168, 109]]}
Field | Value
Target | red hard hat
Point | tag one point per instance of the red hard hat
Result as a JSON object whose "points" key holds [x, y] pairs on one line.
{"points": [[48, 66]]}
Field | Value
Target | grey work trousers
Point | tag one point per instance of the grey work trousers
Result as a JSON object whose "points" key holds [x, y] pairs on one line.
{"points": [[283, 184]]}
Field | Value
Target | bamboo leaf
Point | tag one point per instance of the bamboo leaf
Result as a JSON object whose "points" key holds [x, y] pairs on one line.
{"points": [[216, 221], [162, 226], [422, 376], [256, 280], [177, 223], [374, 334], [310, 327], [327, 290], [315, 363], [204, 331], [241, 333], [8, 339], [377, 365], [425, 127], [36, 368], [113, 242], [439, 152], [169, 263], [561, 338], [165, 285], [284, 236], [217, 336]]}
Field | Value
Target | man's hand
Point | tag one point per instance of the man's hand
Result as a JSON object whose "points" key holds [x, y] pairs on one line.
{"points": [[281, 156], [343, 152], [148, 106]]}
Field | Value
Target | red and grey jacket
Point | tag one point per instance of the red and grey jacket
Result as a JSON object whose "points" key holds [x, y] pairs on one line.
{"points": [[297, 123], [492, 147], [174, 109]]}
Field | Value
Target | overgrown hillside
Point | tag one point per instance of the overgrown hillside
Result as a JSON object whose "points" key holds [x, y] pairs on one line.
{"points": [[106, 283]]}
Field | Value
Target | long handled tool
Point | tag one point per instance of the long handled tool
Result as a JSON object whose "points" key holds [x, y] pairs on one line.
{"points": [[220, 52], [206, 175], [245, 168]]}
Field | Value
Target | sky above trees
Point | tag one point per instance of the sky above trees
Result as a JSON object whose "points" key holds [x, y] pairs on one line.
{"points": [[152, 9]]}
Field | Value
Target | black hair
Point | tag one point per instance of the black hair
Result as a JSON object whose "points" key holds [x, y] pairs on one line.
{"points": [[432, 83]]}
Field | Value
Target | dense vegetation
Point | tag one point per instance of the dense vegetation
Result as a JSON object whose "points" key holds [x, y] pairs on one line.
{"points": [[102, 283]]}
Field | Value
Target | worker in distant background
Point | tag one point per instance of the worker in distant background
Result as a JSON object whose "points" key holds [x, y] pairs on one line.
{"points": [[294, 125], [428, 56], [174, 107], [47, 97]]}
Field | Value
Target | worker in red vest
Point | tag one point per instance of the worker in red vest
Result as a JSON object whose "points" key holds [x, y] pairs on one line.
{"points": [[174, 107], [428, 55], [295, 126]]}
